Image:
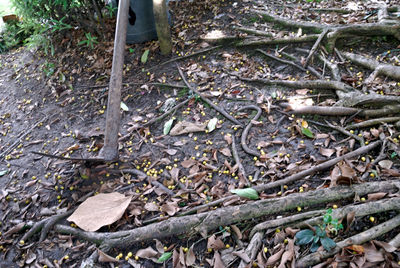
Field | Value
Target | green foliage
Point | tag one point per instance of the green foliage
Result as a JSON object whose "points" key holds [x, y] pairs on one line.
{"points": [[42, 20], [111, 10], [49, 68], [89, 41], [249, 193], [145, 56], [319, 235]]}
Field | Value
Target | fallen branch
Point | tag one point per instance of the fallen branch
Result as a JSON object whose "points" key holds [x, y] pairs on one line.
{"points": [[208, 221], [341, 130], [253, 248], [317, 168], [161, 117], [206, 100], [357, 239], [245, 132]]}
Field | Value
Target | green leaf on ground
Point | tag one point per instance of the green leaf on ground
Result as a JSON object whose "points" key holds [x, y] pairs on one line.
{"points": [[124, 107], [165, 256], [249, 193], [145, 56], [304, 237], [328, 243], [307, 132], [3, 172], [168, 125], [211, 124]]}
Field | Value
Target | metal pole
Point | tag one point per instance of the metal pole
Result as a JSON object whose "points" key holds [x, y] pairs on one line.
{"points": [[109, 151]]}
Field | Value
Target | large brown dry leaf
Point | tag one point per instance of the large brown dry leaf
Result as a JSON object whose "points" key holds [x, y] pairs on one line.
{"points": [[342, 173], [185, 127], [100, 210]]}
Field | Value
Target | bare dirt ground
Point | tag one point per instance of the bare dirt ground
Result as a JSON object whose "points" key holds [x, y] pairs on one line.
{"points": [[56, 105]]}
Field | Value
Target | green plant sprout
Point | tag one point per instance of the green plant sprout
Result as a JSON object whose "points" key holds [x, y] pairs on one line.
{"points": [[318, 235], [111, 10], [90, 40]]}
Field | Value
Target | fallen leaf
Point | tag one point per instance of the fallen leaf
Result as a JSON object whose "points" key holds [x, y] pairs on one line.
{"points": [[164, 257], [171, 151], [376, 196], [190, 257], [100, 210], [228, 139], [385, 164], [326, 152], [357, 248], [215, 243], [147, 253], [103, 257], [211, 124], [185, 127], [226, 152]]}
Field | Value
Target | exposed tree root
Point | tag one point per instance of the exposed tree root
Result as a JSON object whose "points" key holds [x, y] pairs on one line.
{"points": [[315, 46], [373, 122], [252, 31], [357, 239], [357, 98], [245, 132], [317, 168], [285, 221], [44, 226], [360, 210], [342, 111], [242, 171], [278, 41], [379, 68], [313, 84], [208, 221], [206, 100], [310, 26], [253, 248]]}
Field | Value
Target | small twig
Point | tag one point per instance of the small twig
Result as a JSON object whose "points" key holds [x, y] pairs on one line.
{"points": [[341, 130], [185, 57], [315, 46], [247, 129], [342, 59], [290, 63], [317, 168], [161, 117], [21, 136], [206, 100], [144, 175]]}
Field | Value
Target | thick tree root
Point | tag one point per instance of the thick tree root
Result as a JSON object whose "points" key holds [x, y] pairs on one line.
{"points": [[312, 84], [373, 122], [247, 129], [44, 226], [357, 239], [208, 221], [379, 68]]}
